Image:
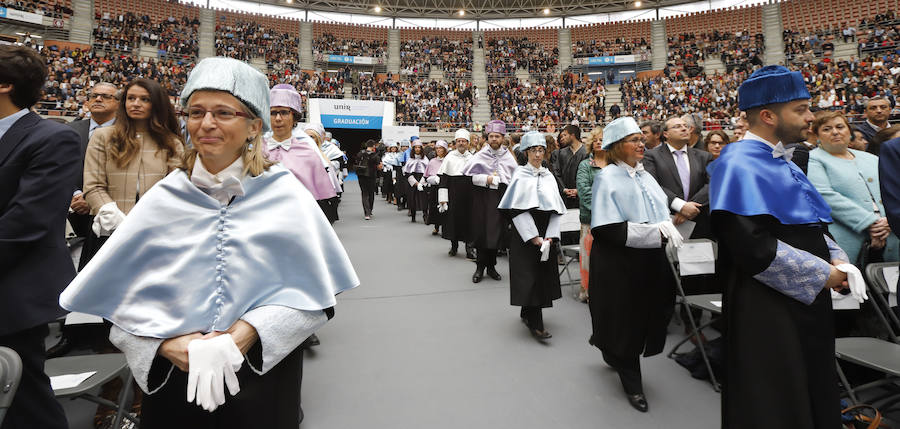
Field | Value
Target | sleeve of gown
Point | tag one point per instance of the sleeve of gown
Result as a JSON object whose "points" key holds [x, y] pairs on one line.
{"points": [[281, 330], [793, 272], [835, 251], [524, 224], [140, 352], [480, 180], [643, 236], [553, 226]]}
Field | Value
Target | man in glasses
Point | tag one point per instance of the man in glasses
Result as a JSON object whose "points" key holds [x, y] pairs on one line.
{"points": [[102, 102]]}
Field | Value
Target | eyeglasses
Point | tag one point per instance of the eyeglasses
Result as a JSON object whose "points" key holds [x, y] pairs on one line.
{"points": [[635, 139], [105, 97], [282, 113], [219, 115]]}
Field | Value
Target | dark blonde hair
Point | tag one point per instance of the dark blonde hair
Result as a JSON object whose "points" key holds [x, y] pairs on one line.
{"points": [[255, 161]]}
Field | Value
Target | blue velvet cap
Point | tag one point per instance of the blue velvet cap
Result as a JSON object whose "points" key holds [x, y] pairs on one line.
{"points": [[618, 129], [771, 85], [531, 139]]}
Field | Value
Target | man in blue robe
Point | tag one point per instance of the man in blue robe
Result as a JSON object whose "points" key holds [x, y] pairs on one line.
{"points": [[779, 267]]}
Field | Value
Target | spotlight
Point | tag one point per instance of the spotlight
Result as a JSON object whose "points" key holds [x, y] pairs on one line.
{"points": [[637, 3], [462, 12], [288, 1], [377, 9], [546, 11]]}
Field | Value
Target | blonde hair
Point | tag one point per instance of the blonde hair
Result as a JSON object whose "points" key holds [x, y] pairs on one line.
{"points": [[255, 161]]}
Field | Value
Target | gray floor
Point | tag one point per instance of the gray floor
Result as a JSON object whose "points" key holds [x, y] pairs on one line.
{"points": [[417, 345]]}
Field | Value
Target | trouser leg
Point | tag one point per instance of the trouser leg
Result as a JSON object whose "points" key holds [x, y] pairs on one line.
{"points": [[485, 257], [534, 317], [629, 369], [34, 405]]}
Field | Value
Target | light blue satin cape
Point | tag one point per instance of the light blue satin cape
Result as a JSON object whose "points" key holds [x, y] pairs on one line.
{"points": [[747, 181], [617, 198], [181, 262], [532, 188]]}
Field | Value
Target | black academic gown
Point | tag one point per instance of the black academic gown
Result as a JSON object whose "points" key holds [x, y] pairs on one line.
{"points": [[457, 218], [780, 369], [532, 282], [416, 200], [634, 294], [432, 215], [488, 227]]}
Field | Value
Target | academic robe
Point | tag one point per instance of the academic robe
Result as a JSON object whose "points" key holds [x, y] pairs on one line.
{"points": [[632, 287], [415, 168], [458, 187], [432, 215], [488, 227], [779, 343]]}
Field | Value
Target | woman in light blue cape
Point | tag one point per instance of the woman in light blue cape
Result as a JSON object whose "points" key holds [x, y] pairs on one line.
{"points": [[226, 260]]}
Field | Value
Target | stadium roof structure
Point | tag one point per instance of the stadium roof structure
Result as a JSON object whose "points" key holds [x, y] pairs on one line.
{"points": [[475, 9]]}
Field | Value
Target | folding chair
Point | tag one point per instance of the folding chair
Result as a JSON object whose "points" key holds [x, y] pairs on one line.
{"points": [[873, 353], [10, 374], [703, 302], [107, 367], [570, 252]]}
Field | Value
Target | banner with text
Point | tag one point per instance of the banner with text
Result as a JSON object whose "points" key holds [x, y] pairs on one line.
{"points": [[607, 61], [19, 15], [392, 134], [348, 59], [359, 114]]}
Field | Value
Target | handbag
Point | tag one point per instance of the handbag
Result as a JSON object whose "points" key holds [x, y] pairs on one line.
{"points": [[861, 417]]}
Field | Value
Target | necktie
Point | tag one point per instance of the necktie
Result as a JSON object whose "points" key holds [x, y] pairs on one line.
{"points": [[683, 171]]}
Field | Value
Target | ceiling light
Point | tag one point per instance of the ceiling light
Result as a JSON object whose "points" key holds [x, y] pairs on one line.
{"points": [[377, 9], [289, 1], [462, 12], [546, 11], [637, 3]]}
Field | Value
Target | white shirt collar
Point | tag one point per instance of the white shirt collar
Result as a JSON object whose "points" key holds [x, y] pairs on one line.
{"points": [[874, 127], [95, 125], [750, 136], [222, 186], [673, 150]]}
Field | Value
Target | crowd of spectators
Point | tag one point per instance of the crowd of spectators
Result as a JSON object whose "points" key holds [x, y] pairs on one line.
{"points": [[124, 33], [737, 51], [714, 98], [424, 103], [246, 40], [452, 56], [72, 73], [845, 85], [55, 9], [800, 47], [330, 45], [881, 33], [606, 48], [556, 100], [504, 56]]}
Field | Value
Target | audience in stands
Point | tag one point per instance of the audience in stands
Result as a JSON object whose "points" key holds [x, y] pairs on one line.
{"points": [[330, 45], [248, 40], [607, 48], [713, 97], [422, 102], [737, 51], [504, 56], [568, 99], [452, 56]]}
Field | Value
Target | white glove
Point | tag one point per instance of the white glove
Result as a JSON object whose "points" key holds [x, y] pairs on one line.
{"points": [[108, 218], [545, 249], [856, 280], [668, 230], [433, 180], [420, 187], [209, 362], [411, 180], [442, 207]]}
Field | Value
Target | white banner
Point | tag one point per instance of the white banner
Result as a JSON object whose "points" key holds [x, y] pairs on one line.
{"points": [[396, 134], [18, 15], [360, 114]]}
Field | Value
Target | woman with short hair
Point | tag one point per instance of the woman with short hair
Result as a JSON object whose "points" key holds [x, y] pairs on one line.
{"points": [[630, 225], [715, 141]]}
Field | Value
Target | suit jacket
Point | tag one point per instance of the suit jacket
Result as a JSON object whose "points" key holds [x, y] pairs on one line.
{"points": [[81, 224], [888, 166], [105, 182], [37, 177], [660, 163], [867, 130], [801, 155]]}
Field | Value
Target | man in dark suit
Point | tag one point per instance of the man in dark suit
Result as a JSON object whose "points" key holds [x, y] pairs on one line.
{"points": [[37, 177], [102, 103], [681, 171], [878, 111], [888, 166]]}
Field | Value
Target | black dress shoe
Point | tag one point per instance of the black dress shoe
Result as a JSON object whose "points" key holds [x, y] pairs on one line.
{"points": [[492, 273], [435, 232], [479, 274], [452, 252], [639, 402], [470, 255]]}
